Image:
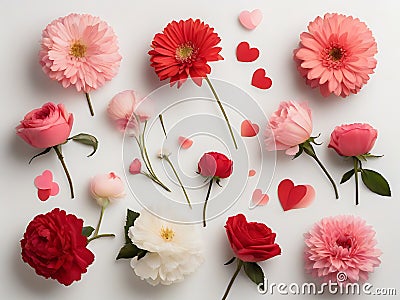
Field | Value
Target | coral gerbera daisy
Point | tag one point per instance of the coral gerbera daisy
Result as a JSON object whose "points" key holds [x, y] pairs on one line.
{"points": [[184, 49], [80, 50], [336, 54], [341, 249]]}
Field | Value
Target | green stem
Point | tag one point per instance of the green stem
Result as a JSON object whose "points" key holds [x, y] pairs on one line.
{"points": [[355, 163], [239, 266], [100, 236], [222, 110], [160, 117], [177, 177], [89, 104], [61, 159], [96, 231], [205, 202]]}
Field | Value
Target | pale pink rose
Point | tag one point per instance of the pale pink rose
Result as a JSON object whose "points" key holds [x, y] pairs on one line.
{"points": [[80, 50], [288, 127], [46, 127], [341, 249], [126, 109], [353, 139], [106, 188], [135, 167]]}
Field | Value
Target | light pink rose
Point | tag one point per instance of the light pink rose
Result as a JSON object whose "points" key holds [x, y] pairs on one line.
{"points": [[121, 108], [353, 139], [288, 127], [47, 126], [106, 188]]}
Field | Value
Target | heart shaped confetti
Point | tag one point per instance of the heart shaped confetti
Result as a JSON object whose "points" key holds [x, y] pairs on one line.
{"points": [[248, 129], [45, 185], [246, 54], [260, 80], [258, 198], [252, 172], [185, 143], [250, 20], [292, 197]]}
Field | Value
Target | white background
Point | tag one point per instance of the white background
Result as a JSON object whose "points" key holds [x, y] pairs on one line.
{"points": [[25, 86]]}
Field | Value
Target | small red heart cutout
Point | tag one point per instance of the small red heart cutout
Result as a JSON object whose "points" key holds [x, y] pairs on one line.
{"points": [[246, 54], [260, 81], [290, 196], [259, 198], [248, 129]]}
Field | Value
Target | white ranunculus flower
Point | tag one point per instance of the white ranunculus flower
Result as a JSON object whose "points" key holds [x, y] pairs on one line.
{"points": [[175, 250]]}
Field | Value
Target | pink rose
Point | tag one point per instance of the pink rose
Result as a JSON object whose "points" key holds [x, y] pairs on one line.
{"points": [[106, 188], [289, 126], [353, 139], [47, 126], [121, 108]]}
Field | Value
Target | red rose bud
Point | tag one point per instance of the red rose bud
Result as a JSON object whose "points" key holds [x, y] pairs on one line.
{"points": [[251, 242], [54, 246], [214, 164]]}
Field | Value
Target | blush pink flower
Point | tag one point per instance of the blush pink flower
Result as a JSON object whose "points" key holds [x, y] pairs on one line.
{"points": [[79, 50], [126, 109], [288, 127], [336, 54], [106, 188], [341, 249]]}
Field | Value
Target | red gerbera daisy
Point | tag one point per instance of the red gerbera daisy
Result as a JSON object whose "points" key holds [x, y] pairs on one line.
{"points": [[183, 49]]}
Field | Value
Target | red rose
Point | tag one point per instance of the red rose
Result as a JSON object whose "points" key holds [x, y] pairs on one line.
{"points": [[54, 246], [251, 242], [214, 164]]}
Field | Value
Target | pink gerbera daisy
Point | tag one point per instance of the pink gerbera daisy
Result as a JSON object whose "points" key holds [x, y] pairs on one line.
{"points": [[341, 249], [336, 55], [80, 50]]}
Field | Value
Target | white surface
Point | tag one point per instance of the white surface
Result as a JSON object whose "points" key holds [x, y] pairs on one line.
{"points": [[25, 86]]}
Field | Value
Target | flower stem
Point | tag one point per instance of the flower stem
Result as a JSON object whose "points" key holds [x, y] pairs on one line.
{"points": [[222, 110], [61, 158], [179, 180], [96, 231], [355, 162], [100, 236], [239, 266], [205, 202], [310, 151], [89, 104], [160, 117]]}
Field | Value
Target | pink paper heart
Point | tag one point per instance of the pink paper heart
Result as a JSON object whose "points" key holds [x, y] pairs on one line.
{"points": [[292, 197], [185, 143], [248, 129], [250, 20], [259, 198], [44, 180]]}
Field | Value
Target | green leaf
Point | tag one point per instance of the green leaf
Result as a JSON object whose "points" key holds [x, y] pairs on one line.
{"points": [[254, 272], [299, 152], [375, 182], [347, 176], [86, 139], [87, 231], [47, 150], [130, 251], [230, 261], [131, 216]]}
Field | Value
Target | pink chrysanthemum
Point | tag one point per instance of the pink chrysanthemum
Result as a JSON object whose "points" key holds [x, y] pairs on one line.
{"points": [[336, 55], [341, 249], [79, 50]]}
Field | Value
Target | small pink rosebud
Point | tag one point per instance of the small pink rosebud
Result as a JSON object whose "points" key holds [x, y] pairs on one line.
{"points": [[135, 167], [106, 188]]}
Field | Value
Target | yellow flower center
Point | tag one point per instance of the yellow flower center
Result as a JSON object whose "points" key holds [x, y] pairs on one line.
{"points": [[336, 53], [185, 52], [167, 234], [78, 49]]}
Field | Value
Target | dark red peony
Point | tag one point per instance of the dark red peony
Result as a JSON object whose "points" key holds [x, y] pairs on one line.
{"points": [[214, 164], [183, 49], [251, 241], [54, 246]]}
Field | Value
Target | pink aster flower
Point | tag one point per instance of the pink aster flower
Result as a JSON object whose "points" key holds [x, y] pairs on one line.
{"points": [[341, 249], [336, 54], [80, 50]]}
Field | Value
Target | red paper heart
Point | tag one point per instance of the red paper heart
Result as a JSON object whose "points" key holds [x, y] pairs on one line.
{"points": [[246, 54], [291, 196], [260, 81], [248, 129]]}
